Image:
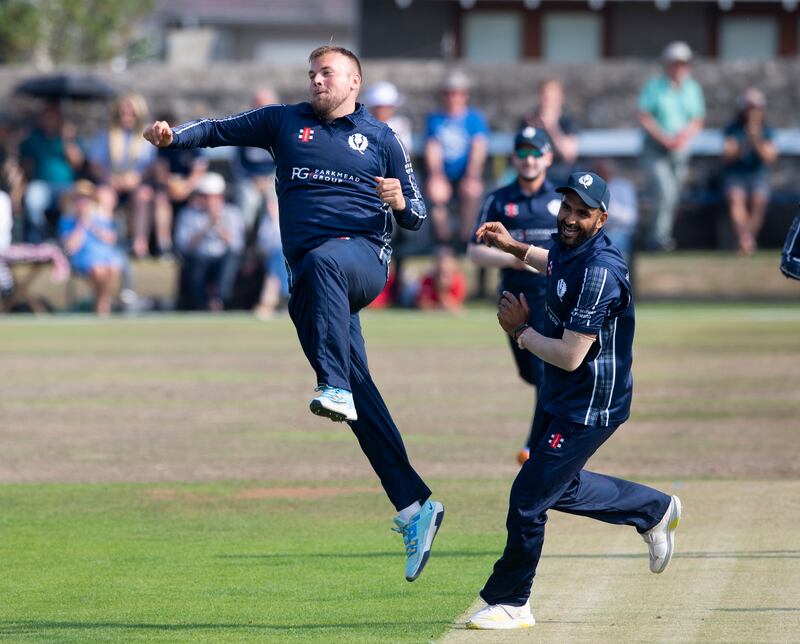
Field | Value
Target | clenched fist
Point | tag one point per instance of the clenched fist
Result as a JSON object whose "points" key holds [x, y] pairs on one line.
{"points": [[390, 192], [159, 134]]}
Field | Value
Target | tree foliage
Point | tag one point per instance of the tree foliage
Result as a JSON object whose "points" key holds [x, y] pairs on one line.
{"points": [[68, 31]]}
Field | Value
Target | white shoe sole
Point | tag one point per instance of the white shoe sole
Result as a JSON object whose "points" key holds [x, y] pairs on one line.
{"points": [[672, 524], [318, 408]]}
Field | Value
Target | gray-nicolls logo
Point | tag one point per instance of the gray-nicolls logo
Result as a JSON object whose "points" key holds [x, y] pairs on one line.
{"points": [[358, 142]]}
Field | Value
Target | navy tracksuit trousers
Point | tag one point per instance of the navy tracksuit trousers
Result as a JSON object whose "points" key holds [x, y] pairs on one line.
{"points": [[554, 478], [332, 284]]}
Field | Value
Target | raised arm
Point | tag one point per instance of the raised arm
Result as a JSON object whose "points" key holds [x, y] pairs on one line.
{"points": [[494, 234], [255, 128]]}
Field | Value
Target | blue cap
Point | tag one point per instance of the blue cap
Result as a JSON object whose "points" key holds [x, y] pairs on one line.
{"points": [[532, 136], [590, 187]]}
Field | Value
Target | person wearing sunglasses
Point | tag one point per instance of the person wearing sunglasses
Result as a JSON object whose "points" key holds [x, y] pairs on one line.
{"points": [[527, 208]]}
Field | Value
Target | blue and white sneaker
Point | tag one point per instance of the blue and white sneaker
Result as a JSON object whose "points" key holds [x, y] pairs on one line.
{"points": [[418, 535], [333, 403]]}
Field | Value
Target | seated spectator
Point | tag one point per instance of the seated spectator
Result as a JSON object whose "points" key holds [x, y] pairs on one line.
{"points": [[623, 210], [276, 279], [50, 157], [382, 100], [253, 172], [445, 287], [748, 152], [550, 116], [209, 235], [119, 161], [89, 240], [455, 155], [175, 175]]}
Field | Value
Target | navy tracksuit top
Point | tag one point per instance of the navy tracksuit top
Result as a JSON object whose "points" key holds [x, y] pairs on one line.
{"points": [[588, 291], [325, 175], [530, 219]]}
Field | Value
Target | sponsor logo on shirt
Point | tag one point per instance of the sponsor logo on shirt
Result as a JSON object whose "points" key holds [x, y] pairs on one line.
{"points": [[306, 134], [358, 142], [511, 209], [321, 174]]}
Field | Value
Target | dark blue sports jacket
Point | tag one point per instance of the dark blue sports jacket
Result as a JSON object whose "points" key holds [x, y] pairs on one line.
{"points": [[530, 219], [325, 174], [588, 291]]}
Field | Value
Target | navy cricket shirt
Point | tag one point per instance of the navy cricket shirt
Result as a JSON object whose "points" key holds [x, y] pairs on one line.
{"points": [[325, 172], [530, 219], [588, 291]]}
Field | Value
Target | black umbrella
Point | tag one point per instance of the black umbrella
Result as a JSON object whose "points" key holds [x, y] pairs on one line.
{"points": [[69, 85]]}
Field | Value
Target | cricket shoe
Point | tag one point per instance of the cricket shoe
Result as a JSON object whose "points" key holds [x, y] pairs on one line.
{"points": [[333, 403], [660, 539], [502, 617], [418, 535]]}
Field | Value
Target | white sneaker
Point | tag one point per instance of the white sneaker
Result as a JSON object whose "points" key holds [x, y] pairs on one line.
{"points": [[502, 617], [660, 539], [333, 403]]}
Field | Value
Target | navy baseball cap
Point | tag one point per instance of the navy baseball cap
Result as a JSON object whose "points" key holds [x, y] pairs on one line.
{"points": [[533, 136], [590, 187]]}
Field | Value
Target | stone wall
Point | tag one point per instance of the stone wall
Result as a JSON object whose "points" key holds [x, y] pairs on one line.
{"points": [[599, 96]]}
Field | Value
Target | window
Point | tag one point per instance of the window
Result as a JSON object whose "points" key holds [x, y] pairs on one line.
{"points": [[748, 38], [493, 36], [571, 37]]}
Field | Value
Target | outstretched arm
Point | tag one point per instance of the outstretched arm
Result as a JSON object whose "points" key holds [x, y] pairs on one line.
{"points": [[494, 234], [255, 128]]}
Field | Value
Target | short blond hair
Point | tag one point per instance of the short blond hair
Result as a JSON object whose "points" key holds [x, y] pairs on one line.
{"points": [[331, 49]]}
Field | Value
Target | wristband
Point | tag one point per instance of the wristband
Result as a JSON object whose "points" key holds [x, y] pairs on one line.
{"points": [[520, 330], [527, 252]]}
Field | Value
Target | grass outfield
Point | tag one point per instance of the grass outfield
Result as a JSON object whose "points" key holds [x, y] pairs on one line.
{"points": [[162, 480]]}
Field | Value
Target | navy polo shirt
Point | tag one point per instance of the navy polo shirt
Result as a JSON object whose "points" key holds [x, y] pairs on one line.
{"points": [[325, 172], [529, 218], [588, 291]]}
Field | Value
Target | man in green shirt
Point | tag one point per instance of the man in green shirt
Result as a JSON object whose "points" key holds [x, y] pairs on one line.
{"points": [[671, 113]]}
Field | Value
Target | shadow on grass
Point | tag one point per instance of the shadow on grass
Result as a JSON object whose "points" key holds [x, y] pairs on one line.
{"points": [[21, 627]]}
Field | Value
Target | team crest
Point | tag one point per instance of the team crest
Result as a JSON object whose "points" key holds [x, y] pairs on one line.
{"points": [[586, 181], [553, 206], [358, 142], [561, 288], [511, 209]]}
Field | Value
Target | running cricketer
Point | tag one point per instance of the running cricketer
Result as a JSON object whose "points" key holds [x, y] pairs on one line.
{"points": [[586, 395], [341, 176]]}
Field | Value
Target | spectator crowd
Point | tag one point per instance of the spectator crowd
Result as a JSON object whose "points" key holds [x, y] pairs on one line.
{"points": [[100, 201]]}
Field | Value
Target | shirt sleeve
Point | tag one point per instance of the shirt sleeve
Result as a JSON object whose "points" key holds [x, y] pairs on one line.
{"points": [[477, 124], [398, 166], [647, 98], [598, 294], [256, 128]]}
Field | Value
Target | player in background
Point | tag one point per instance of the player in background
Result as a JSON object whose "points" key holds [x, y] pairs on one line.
{"points": [[527, 208], [586, 395], [342, 176]]}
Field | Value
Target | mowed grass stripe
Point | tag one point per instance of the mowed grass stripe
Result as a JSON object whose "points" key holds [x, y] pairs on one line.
{"points": [[732, 579]]}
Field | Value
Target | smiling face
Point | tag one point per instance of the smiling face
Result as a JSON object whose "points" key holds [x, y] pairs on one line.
{"points": [[334, 85], [577, 222]]}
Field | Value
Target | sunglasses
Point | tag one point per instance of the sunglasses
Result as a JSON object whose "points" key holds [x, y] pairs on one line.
{"points": [[524, 153]]}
